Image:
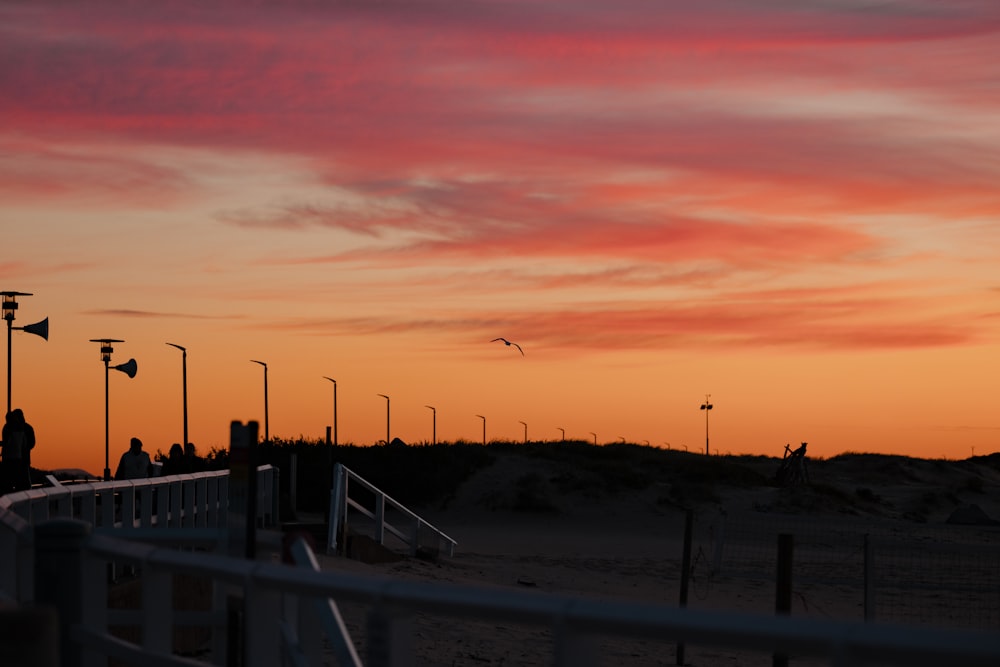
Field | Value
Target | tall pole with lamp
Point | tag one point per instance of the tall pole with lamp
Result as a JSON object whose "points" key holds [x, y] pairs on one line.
{"points": [[484, 428], [386, 417], [184, 384], [334, 409], [706, 406], [434, 423], [267, 432], [128, 368], [38, 328]]}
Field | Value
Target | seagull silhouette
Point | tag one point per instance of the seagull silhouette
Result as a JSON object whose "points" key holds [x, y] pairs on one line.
{"points": [[508, 344]]}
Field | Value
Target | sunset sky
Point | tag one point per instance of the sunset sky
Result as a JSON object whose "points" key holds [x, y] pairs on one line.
{"points": [[791, 206]]}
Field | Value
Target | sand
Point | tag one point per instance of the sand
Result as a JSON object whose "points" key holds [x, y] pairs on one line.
{"points": [[629, 547]]}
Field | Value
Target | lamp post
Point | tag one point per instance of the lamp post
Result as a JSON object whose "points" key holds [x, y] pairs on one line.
{"points": [[128, 368], [334, 409], [706, 406], [525, 432], [563, 432], [386, 417], [595, 437], [267, 431], [434, 423], [38, 328], [184, 380], [484, 428]]}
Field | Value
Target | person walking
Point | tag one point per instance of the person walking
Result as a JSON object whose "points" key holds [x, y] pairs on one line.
{"points": [[18, 441], [135, 463]]}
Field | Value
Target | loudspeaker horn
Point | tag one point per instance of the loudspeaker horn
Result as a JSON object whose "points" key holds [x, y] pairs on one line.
{"points": [[38, 328], [128, 368]]}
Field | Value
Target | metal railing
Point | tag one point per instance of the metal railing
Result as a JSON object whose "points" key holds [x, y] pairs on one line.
{"points": [[416, 533]]}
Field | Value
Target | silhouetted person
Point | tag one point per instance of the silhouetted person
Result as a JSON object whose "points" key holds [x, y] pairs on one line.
{"points": [[18, 441], [135, 463], [174, 464], [192, 462]]}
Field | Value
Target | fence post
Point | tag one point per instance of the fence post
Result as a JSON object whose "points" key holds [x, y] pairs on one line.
{"points": [[783, 587], [65, 581], [685, 573], [390, 638], [869, 602]]}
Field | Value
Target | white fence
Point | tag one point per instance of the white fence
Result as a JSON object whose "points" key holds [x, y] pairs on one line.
{"points": [[377, 517], [143, 508]]}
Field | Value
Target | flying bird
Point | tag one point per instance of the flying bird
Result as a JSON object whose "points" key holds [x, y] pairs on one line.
{"points": [[508, 344]]}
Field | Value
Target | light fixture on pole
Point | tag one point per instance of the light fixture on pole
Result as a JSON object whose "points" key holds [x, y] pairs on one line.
{"points": [[706, 406], [434, 423], [334, 409], [484, 428], [386, 418], [128, 368], [595, 437], [267, 432], [184, 380], [38, 328], [563, 432], [525, 432]]}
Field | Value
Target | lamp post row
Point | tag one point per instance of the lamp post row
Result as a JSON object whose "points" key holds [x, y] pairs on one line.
{"points": [[41, 328]]}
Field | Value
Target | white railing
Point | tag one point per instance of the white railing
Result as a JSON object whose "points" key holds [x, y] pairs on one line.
{"points": [[284, 622], [416, 533], [144, 508]]}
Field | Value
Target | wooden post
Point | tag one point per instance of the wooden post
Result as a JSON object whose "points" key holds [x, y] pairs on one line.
{"points": [[783, 587], [685, 572], [869, 580]]}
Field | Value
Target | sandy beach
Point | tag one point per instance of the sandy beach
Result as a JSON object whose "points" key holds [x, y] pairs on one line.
{"points": [[629, 546]]}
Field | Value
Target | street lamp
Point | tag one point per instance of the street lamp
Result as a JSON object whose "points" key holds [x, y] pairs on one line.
{"points": [[128, 368], [563, 432], [184, 379], [38, 328], [267, 432], [595, 437], [706, 406], [334, 409], [434, 423], [484, 428], [525, 432], [386, 417]]}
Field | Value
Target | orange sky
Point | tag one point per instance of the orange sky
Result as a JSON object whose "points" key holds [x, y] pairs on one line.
{"points": [[791, 207]]}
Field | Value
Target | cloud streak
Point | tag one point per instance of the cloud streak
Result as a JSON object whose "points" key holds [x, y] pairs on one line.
{"points": [[616, 147]]}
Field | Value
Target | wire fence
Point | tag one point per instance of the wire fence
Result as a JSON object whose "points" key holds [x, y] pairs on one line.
{"points": [[850, 568]]}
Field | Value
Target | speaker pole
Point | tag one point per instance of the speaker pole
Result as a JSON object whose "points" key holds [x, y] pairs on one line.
{"points": [[129, 369], [9, 310]]}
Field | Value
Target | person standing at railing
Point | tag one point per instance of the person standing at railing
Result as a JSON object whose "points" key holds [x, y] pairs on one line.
{"points": [[135, 463], [18, 441], [174, 463], [192, 462]]}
